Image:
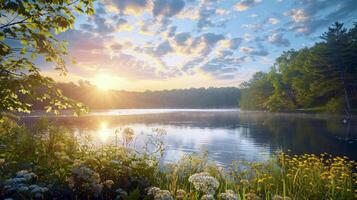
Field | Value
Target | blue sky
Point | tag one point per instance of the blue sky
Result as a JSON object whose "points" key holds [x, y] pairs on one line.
{"points": [[165, 44]]}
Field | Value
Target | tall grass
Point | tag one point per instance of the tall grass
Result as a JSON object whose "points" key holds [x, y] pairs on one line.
{"points": [[46, 162]]}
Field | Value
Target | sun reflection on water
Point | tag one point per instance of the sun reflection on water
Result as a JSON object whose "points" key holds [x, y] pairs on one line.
{"points": [[104, 131]]}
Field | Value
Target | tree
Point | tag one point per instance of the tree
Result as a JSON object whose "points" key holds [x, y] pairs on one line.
{"points": [[27, 35], [338, 55], [255, 92], [323, 76]]}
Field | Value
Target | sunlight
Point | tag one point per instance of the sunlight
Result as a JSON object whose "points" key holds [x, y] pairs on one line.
{"points": [[104, 132], [105, 82]]}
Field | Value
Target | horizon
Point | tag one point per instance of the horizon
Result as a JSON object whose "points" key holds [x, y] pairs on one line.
{"points": [[164, 45]]}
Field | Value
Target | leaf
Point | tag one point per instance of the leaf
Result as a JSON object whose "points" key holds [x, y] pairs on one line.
{"points": [[48, 109], [133, 195]]}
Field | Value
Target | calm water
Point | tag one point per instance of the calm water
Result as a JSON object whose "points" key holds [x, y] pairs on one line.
{"points": [[227, 134]]}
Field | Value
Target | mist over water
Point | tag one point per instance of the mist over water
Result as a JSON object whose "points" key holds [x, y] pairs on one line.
{"points": [[227, 134]]}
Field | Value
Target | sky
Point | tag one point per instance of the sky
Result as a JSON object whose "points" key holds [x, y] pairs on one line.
{"points": [[140, 45]]}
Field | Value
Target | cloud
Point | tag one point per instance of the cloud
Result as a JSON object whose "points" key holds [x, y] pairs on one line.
{"points": [[223, 67], [212, 38], [95, 53], [123, 25], [168, 8], [163, 49], [182, 38], [297, 15], [235, 42], [246, 4], [254, 27], [273, 20], [313, 15], [260, 51], [205, 18], [170, 38], [134, 7], [279, 40]]}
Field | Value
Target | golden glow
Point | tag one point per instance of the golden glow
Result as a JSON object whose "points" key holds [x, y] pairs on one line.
{"points": [[104, 132], [105, 82]]}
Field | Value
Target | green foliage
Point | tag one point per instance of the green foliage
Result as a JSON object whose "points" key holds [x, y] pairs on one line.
{"points": [[255, 92], [27, 34], [335, 105], [313, 77]]}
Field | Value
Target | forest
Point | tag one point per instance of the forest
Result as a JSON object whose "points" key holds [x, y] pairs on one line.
{"points": [[226, 97], [320, 78]]}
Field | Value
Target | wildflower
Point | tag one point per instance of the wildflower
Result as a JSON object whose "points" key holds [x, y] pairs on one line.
{"points": [[252, 196], [278, 197], [203, 182], [244, 182], [2, 161], [163, 195], [121, 192], [37, 189], [108, 183], [153, 190], [22, 188], [180, 194], [207, 197], [229, 195], [85, 179]]}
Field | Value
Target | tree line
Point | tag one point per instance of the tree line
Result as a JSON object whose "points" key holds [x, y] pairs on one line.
{"points": [[91, 96], [322, 77]]}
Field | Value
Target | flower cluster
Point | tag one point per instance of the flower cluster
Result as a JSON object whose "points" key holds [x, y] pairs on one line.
{"points": [[204, 183], [229, 195], [21, 183], [121, 194], [252, 196], [159, 194], [85, 179], [207, 197], [180, 194]]}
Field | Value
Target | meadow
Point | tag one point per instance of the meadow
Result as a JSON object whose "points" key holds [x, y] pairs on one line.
{"points": [[45, 161]]}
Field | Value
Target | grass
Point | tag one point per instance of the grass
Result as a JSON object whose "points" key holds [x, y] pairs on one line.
{"points": [[47, 162]]}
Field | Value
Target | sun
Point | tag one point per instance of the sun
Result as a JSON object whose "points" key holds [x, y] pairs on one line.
{"points": [[105, 82]]}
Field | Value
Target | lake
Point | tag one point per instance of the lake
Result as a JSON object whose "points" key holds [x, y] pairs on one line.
{"points": [[227, 134]]}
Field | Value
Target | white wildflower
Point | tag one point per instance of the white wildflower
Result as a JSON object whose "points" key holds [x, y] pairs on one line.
{"points": [[229, 195], [84, 178], [180, 194], [207, 197], [121, 192], [163, 195], [153, 190], [108, 183], [21, 173], [244, 182], [37, 189], [252, 196], [203, 182], [22, 189]]}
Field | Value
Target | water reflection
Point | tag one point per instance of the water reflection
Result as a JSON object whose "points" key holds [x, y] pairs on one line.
{"points": [[104, 133], [227, 136]]}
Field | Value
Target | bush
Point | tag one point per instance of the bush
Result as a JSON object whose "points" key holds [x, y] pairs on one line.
{"points": [[335, 105]]}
